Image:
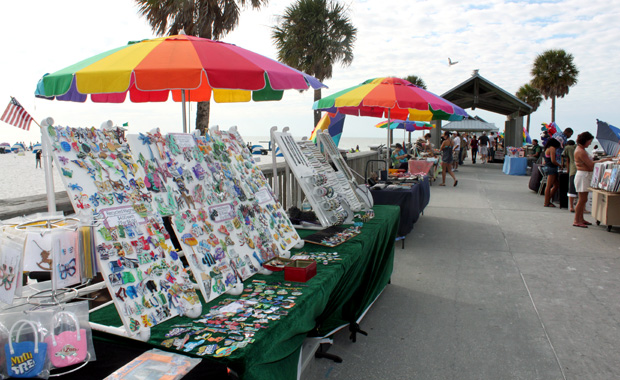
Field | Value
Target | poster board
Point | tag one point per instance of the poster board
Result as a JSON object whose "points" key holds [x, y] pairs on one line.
{"points": [[97, 169], [143, 272]]}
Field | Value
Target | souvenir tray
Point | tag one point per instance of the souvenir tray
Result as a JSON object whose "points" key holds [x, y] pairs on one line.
{"points": [[333, 236]]}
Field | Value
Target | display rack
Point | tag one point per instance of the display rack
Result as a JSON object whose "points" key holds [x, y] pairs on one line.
{"points": [[316, 178], [223, 213], [359, 196], [141, 270]]}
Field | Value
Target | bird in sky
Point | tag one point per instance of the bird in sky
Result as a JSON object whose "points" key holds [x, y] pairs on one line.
{"points": [[450, 63]]}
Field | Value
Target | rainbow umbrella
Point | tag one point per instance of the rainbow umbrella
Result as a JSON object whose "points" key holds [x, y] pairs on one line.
{"points": [[392, 98], [192, 68], [407, 125], [526, 136], [333, 123]]}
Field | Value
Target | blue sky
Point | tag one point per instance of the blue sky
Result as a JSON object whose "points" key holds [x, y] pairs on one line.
{"points": [[395, 38]]}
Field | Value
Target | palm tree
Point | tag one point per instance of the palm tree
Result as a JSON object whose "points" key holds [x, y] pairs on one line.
{"points": [[312, 36], [418, 81], [553, 74], [211, 19], [532, 97]]}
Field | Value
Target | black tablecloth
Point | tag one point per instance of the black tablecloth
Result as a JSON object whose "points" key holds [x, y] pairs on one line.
{"points": [[562, 194], [411, 202]]}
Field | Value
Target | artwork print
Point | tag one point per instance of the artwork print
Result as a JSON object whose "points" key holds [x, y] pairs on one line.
{"points": [[66, 262], [10, 270]]}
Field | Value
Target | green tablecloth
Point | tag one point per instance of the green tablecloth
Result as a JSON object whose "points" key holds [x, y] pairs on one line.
{"points": [[338, 295]]}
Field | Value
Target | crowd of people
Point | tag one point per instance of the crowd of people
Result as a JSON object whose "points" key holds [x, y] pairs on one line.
{"points": [[559, 153], [454, 149]]}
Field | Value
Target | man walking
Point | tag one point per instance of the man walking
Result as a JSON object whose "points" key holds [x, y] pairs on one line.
{"points": [[483, 143], [457, 151], [37, 157], [464, 147]]}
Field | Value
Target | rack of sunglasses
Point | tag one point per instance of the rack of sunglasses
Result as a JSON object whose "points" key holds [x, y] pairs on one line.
{"points": [[316, 178], [223, 213], [358, 196]]}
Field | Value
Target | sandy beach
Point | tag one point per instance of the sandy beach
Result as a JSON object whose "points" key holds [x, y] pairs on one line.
{"points": [[20, 178]]}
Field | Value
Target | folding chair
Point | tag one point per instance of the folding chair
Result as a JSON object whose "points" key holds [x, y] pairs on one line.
{"points": [[543, 180]]}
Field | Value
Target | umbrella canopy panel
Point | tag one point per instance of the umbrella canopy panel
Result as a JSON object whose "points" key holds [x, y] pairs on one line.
{"points": [[609, 137], [150, 69], [408, 126]]}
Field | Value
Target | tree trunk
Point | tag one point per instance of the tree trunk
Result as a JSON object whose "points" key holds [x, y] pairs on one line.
{"points": [[317, 113], [528, 123], [202, 117], [553, 109]]}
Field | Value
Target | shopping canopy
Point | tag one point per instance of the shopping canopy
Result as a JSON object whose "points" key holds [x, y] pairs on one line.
{"points": [[470, 125], [150, 69]]}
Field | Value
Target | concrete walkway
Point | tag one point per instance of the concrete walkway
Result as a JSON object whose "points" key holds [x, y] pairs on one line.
{"points": [[491, 285]]}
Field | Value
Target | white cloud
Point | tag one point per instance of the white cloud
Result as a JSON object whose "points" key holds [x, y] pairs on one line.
{"points": [[396, 37]]}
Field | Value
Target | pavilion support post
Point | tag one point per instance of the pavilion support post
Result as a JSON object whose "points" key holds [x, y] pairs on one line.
{"points": [[436, 134]]}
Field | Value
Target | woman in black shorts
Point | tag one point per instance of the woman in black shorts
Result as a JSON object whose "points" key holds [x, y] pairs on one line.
{"points": [[447, 158], [551, 167]]}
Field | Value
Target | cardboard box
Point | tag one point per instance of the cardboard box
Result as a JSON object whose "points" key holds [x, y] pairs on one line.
{"points": [[300, 270]]}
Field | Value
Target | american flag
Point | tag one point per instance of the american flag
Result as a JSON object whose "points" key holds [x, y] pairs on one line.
{"points": [[16, 115]]}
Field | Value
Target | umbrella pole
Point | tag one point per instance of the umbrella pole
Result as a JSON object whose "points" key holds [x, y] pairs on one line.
{"points": [[184, 117], [387, 156]]}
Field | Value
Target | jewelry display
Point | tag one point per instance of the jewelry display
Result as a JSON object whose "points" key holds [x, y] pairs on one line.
{"points": [[357, 195], [326, 193]]}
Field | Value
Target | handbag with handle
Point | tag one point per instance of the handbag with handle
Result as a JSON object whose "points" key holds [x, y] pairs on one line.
{"points": [[68, 347], [25, 359]]}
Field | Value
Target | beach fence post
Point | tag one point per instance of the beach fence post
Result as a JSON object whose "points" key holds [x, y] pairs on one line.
{"points": [[47, 164], [276, 189], [184, 116]]}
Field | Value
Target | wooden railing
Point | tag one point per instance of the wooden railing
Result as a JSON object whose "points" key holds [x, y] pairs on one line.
{"points": [[289, 190]]}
